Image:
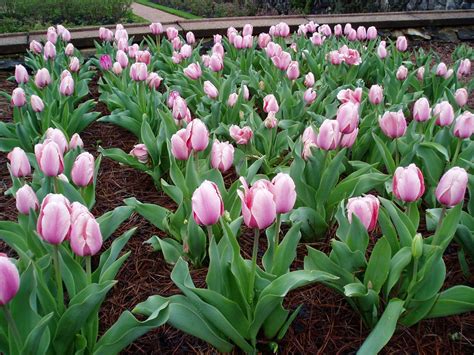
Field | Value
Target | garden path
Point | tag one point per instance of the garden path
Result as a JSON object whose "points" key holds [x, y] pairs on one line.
{"points": [[153, 15]]}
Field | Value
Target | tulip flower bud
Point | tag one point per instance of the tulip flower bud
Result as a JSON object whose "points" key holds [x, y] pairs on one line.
{"points": [[443, 113], [232, 100], [86, 237], [138, 71], [441, 69], [176, 43], [245, 92], [143, 57], [281, 60], [338, 30], [420, 73], [49, 51], [309, 96], [218, 49], [140, 152], [366, 209], [382, 50], [10, 280], [376, 94], [371, 33], [402, 43], [348, 117], [82, 172], [186, 51], [348, 95], [26, 200], [408, 183], [325, 30], [417, 246], [199, 135], [76, 142], [347, 140], [402, 72], [240, 135], [21, 75], [309, 80], [117, 68], [461, 97], [270, 103], [18, 97], [393, 124], [216, 63], [171, 33], [284, 193], [193, 71], [105, 34], [54, 220], [65, 73], [352, 36], [69, 50], [74, 64], [263, 40], [258, 205], [122, 58], [361, 33], [42, 78], [179, 144], [49, 158], [179, 108], [156, 28], [347, 28], [154, 80], [52, 35], [66, 87], [309, 135], [271, 121], [464, 126], [307, 153], [329, 135], [207, 204], [66, 36], [222, 155], [452, 187], [36, 47], [190, 39], [210, 90], [58, 137], [293, 71], [19, 163], [105, 62], [464, 68], [421, 110]]}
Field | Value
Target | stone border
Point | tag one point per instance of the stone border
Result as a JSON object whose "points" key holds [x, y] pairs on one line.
{"points": [[83, 37]]}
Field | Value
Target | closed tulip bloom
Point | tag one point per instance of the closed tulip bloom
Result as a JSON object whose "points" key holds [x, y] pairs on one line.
{"points": [[421, 110], [271, 121], [132, 50], [140, 152], [263, 40], [338, 30], [382, 50], [171, 97], [371, 33], [52, 35], [54, 220], [18, 97], [76, 142], [210, 90], [444, 114], [232, 100], [86, 237], [199, 135], [309, 80], [36, 47], [193, 71], [309, 96], [26, 200], [325, 30], [241, 135], [335, 57], [461, 97], [143, 57], [284, 192], [222, 155], [420, 73], [245, 92], [258, 205], [366, 208], [448, 74], [348, 95], [307, 152], [64, 74], [58, 137], [408, 183], [347, 28], [217, 48], [329, 136], [190, 39], [117, 68], [352, 36], [74, 64], [21, 75], [347, 140], [186, 51], [179, 145], [10, 280], [69, 50], [452, 187], [282, 30], [464, 126], [207, 204], [171, 33], [105, 34], [82, 172], [19, 163], [402, 43], [293, 71], [441, 69], [348, 117], [49, 157], [122, 58], [216, 63], [66, 87], [282, 60], [121, 34], [66, 35], [273, 49], [375, 94], [309, 135], [49, 51], [464, 68], [179, 108], [138, 71], [361, 33], [154, 80], [176, 43], [270, 103], [105, 62], [156, 28], [393, 124], [317, 39], [176, 58], [42, 78], [402, 72]]}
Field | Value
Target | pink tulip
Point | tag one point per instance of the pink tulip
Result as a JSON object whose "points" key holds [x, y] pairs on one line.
{"points": [[54, 220], [153, 81], [58, 137], [271, 121], [402, 43], [240, 135], [282, 60], [376, 94], [309, 96], [408, 183], [232, 100], [190, 39], [348, 95], [49, 158], [121, 34], [82, 172], [352, 36], [309, 80], [273, 50], [19, 163], [21, 75], [402, 72], [207, 204], [448, 74], [210, 90], [193, 71], [69, 50], [171, 33], [143, 57], [302, 30], [347, 28], [307, 153], [64, 74], [247, 30], [444, 113], [393, 124], [325, 30], [464, 126], [263, 40], [42, 78], [186, 51], [105, 62], [461, 97], [258, 205], [36, 103], [179, 145], [66, 35], [18, 97], [105, 34], [10, 280], [293, 71], [464, 68], [26, 200], [52, 35], [36, 47], [441, 69], [421, 110], [284, 193], [248, 41], [156, 28], [122, 58], [49, 51], [140, 152], [366, 209], [270, 103], [452, 187], [317, 39], [216, 62], [347, 140], [382, 50], [132, 50], [76, 142], [348, 117], [338, 30], [361, 33], [335, 57], [180, 108], [420, 73], [309, 135], [138, 71], [171, 98], [218, 49], [282, 30], [198, 135], [66, 87], [371, 33], [237, 41], [245, 92], [222, 155], [329, 135], [74, 64], [176, 43], [86, 237], [350, 56]]}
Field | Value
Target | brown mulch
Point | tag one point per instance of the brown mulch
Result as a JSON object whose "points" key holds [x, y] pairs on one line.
{"points": [[326, 323]]}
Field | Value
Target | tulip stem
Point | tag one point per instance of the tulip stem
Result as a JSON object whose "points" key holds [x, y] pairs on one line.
{"points": [[440, 221], [412, 282], [59, 281], [456, 152], [209, 234], [253, 270], [12, 324], [397, 154], [196, 161], [277, 231], [89, 269]]}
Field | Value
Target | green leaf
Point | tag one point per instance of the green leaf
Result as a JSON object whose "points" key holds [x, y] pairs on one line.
{"points": [[286, 252], [111, 220], [455, 300], [38, 340], [386, 155], [378, 267], [397, 264], [153, 213]]}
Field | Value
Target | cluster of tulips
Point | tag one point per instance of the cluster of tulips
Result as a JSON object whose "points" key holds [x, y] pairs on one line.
{"points": [[321, 127]]}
